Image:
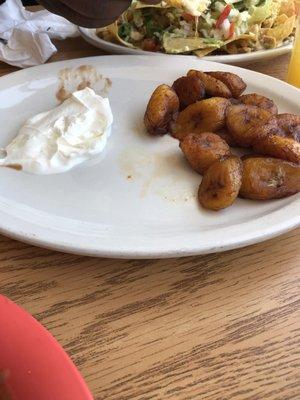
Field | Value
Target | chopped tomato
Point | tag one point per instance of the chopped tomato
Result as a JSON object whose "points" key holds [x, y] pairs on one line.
{"points": [[150, 45], [225, 13], [188, 17], [231, 31]]}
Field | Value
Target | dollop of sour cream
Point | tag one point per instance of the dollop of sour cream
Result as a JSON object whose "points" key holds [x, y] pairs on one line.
{"points": [[57, 140], [193, 7], [196, 7]]}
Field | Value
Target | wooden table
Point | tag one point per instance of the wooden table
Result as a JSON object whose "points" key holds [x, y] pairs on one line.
{"points": [[218, 327]]}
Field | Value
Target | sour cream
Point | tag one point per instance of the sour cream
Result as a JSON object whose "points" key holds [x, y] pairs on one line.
{"points": [[193, 7], [196, 7], [57, 140]]}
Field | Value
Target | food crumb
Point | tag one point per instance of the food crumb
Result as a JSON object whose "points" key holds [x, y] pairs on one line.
{"points": [[129, 176], [72, 79], [17, 167]]}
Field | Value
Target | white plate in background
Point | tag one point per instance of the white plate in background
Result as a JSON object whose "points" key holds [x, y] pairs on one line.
{"points": [[139, 200], [91, 37]]}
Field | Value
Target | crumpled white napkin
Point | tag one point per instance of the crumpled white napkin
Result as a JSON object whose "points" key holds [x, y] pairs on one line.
{"points": [[25, 36]]}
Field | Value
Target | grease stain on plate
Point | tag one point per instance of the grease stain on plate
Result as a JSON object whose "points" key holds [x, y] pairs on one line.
{"points": [[166, 175], [72, 79]]}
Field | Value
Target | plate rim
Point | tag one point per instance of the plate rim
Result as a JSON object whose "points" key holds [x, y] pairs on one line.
{"points": [[90, 36], [70, 248], [8, 228]]}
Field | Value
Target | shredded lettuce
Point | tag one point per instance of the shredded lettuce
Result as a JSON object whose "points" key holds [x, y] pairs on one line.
{"points": [[261, 12], [125, 30]]}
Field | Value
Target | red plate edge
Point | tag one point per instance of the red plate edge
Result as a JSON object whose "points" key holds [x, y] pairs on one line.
{"points": [[36, 366]]}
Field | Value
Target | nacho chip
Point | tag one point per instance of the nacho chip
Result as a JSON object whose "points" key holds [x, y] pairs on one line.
{"points": [[204, 52], [238, 47], [280, 20], [179, 45], [268, 23], [276, 5], [113, 29], [268, 42], [282, 31], [254, 30], [240, 44], [288, 8]]}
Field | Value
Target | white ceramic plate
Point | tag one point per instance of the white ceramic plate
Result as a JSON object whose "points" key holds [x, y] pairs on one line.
{"points": [[91, 37], [139, 200]]}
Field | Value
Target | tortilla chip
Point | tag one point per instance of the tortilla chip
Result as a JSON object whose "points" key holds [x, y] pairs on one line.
{"points": [[268, 23], [288, 8], [254, 31], [268, 42], [240, 44], [99, 30], [282, 31], [276, 4], [238, 47], [179, 45], [105, 34], [113, 29], [246, 37], [174, 3], [280, 20], [204, 52]]}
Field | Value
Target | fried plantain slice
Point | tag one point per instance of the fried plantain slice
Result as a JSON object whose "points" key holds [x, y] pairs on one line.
{"points": [[203, 116], [266, 178], [225, 135], [235, 84], [285, 125], [221, 183], [202, 150], [213, 87], [189, 89], [244, 123], [161, 109], [254, 99], [279, 147], [290, 125]]}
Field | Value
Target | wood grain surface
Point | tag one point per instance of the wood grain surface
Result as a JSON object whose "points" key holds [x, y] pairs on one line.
{"points": [[217, 327]]}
